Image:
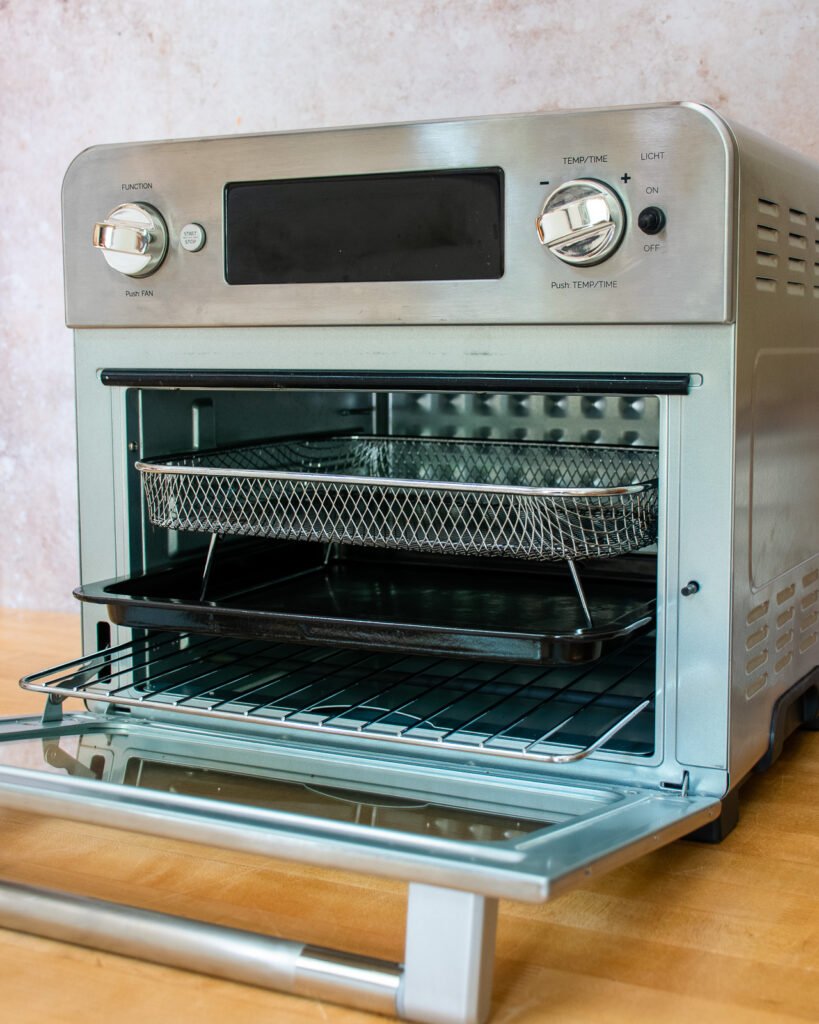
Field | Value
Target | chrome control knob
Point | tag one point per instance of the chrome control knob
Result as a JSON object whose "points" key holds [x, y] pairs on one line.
{"points": [[582, 222], [133, 239]]}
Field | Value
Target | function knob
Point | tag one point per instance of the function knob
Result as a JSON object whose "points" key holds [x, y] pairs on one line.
{"points": [[582, 222], [133, 239]]}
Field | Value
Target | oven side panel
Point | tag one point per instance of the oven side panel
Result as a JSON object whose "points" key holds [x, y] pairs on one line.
{"points": [[776, 555]]}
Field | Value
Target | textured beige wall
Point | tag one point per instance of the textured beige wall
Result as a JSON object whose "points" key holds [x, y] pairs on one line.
{"points": [[79, 72]]}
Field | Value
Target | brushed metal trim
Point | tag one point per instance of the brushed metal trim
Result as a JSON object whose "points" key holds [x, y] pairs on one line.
{"points": [[686, 280]]}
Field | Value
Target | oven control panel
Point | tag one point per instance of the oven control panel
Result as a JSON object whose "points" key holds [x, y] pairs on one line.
{"points": [[623, 215]]}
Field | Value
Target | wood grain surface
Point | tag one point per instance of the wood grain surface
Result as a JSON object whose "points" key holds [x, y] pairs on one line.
{"points": [[689, 933]]}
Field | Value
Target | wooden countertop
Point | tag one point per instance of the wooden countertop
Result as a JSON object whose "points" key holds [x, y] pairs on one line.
{"points": [[689, 933]]}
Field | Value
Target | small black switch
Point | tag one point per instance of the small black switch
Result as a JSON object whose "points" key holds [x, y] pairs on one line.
{"points": [[651, 220]]}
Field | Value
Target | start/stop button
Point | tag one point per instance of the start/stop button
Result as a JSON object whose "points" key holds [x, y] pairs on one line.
{"points": [[192, 237]]}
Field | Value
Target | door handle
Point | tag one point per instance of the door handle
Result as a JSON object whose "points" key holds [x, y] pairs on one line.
{"points": [[446, 979]]}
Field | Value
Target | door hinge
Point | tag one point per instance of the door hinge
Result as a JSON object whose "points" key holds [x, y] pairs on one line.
{"points": [[680, 787]]}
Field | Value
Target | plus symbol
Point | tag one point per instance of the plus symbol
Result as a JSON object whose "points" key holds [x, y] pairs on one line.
{"points": [[626, 178]]}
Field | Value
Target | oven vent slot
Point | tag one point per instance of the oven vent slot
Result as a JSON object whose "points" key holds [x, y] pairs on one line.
{"points": [[770, 259], [554, 715], [756, 662], [756, 638], [767, 242], [756, 686], [784, 638], [808, 619], [808, 642], [784, 617], [783, 662], [767, 259], [757, 612]]}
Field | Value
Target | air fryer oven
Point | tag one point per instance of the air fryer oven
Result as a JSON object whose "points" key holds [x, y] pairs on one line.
{"points": [[443, 515]]}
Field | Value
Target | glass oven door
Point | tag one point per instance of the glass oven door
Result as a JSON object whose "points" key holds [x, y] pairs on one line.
{"points": [[460, 835]]}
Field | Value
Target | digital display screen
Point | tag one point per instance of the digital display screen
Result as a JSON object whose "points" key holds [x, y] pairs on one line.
{"points": [[424, 226]]}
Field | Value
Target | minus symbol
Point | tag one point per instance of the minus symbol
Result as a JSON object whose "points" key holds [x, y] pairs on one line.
{"points": [[544, 182]]}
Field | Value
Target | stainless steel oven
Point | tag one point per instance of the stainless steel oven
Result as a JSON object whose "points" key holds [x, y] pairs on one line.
{"points": [[448, 504]]}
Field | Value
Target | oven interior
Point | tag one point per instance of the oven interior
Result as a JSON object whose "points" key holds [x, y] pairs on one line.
{"points": [[420, 631]]}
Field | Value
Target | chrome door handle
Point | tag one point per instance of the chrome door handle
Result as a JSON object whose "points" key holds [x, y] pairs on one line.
{"points": [[447, 977]]}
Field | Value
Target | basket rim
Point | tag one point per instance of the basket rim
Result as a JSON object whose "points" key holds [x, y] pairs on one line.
{"points": [[171, 467]]}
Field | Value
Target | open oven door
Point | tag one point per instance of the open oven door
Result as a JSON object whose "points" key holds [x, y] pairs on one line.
{"points": [[460, 835]]}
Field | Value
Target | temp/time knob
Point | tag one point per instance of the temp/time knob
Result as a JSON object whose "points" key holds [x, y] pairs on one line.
{"points": [[582, 222], [133, 239]]}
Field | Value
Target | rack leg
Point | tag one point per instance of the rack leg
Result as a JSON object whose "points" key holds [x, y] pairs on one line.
{"points": [[578, 586], [53, 710], [449, 956], [208, 564]]}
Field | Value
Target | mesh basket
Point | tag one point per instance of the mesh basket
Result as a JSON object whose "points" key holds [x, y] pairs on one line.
{"points": [[533, 501]]}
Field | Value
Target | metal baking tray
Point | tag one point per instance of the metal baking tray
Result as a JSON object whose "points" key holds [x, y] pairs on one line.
{"points": [[457, 497], [386, 601]]}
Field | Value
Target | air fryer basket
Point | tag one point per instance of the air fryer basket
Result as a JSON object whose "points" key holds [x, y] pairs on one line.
{"points": [[456, 497]]}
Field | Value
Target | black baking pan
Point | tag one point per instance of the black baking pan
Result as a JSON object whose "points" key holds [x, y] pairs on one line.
{"points": [[458, 608]]}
